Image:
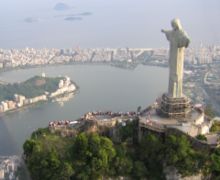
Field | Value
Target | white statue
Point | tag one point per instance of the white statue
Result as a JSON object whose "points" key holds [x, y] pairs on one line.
{"points": [[178, 41]]}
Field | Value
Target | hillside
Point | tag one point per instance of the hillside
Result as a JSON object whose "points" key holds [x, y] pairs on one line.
{"points": [[30, 88], [94, 156]]}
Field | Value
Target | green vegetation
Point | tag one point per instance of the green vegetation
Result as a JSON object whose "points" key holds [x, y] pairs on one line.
{"points": [[127, 132], [201, 137], [31, 88], [92, 156], [179, 153], [215, 164], [215, 127], [43, 159]]}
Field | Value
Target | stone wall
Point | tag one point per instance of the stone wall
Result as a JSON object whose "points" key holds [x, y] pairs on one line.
{"points": [[197, 144]]}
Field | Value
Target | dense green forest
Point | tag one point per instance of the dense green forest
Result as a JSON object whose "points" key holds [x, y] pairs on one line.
{"points": [[30, 88], [93, 156]]}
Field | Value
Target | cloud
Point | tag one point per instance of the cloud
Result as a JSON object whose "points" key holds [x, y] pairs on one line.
{"points": [[76, 14], [85, 14], [31, 20], [73, 18]]}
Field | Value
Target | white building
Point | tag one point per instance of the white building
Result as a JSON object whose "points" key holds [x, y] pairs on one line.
{"points": [[61, 83], [2, 174], [4, 105], [19, 99]]}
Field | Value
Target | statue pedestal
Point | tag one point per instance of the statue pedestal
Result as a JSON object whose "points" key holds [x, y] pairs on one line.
{"points": [[174, 107]]}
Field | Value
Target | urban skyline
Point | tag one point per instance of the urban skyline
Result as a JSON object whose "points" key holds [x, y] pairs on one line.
{"points": [[11, 58]]}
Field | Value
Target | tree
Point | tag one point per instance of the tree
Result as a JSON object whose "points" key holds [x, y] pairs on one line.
{"points": [[201, 137], [151, 148], [122, 162], [127, 131], [215, 163], [139, 170], [152, 154], [180, 154], [95, 154], [215, 127], [92, 156], [44, 160], [28, 147]]}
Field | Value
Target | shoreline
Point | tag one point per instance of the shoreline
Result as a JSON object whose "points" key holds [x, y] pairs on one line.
{"points": [[49, 98], [3, 70], [27, 106]]}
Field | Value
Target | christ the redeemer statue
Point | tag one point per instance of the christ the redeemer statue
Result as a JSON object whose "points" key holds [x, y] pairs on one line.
{"points": [[178, 42]]}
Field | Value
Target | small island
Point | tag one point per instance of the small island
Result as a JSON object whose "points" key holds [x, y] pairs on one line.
{"points": [[61, 7], [33, 90]]}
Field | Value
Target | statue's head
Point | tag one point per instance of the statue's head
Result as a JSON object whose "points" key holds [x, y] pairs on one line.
{"points": [[175, 23]]}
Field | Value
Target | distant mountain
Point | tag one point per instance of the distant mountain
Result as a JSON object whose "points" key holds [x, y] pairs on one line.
{"points": [[73, 18], [61, 7], [85, 14]]}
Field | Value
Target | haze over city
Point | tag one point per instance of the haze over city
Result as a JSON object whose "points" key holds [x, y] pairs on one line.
{"points": [[96, 23]]}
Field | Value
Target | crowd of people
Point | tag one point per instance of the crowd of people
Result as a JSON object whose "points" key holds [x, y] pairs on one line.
{"points": [[96, 115], [61, 123], [107, 114]]}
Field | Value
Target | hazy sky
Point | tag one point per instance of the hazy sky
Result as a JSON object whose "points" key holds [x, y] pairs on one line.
{"points": [[105, 23]]}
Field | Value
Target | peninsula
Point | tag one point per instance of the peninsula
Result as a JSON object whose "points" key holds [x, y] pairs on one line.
{"points": [[33, 90]]}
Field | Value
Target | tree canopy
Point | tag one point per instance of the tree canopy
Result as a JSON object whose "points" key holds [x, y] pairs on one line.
{"points": [[93, 156]]}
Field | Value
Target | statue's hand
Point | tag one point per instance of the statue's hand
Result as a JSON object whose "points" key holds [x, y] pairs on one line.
{"points": [[187, 43], [163, 31]]}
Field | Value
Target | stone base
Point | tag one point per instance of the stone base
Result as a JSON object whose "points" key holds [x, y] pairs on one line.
{"points": [[174, 107]]}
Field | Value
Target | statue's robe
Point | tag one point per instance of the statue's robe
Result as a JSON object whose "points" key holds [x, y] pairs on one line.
{"points": [[178, 41]]}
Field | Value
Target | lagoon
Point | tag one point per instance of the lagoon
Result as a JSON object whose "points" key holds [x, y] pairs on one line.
{"points": [[101, 87]]}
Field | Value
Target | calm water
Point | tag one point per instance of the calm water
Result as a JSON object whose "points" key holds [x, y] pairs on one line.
{"points": [[101, 88]]}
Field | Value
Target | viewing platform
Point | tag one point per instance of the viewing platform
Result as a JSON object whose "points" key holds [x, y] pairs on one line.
{"points": [[193, 124]]}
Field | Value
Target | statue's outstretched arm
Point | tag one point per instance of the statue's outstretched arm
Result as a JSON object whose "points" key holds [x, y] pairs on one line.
{"points": [[164, 31], [167, 33]]}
